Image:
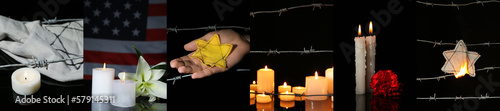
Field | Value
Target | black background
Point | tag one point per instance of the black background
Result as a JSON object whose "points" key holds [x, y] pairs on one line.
{"points": [[294, 30], [473, 24], [223, 91], [395, 47]]}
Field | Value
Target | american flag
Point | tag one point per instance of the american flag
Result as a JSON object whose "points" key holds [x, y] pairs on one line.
{"points": [[113, 26]]}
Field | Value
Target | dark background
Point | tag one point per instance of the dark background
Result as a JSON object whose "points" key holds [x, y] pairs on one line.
{"points": [[395, 48], [223, 91], [293, 30], [473, 24]]}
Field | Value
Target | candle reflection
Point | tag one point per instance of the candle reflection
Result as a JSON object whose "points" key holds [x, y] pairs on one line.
{"points": [[315, 105], [252, 101], [101, 106], [287, 104], [265, 106]]}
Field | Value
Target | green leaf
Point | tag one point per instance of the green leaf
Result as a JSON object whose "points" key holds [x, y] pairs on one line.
{"points": [[139, 53], [161, 65]]}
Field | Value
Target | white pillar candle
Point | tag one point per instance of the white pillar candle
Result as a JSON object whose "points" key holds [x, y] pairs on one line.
{"points": [[370, 58], [360, 53], [329, 78], [25, 81], [316, 85], [265, 78], [124, 92], [101, 81]]}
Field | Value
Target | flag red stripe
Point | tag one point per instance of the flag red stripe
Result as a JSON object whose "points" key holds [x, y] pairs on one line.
{"points": [[156, 35], [157, 10], [121, 58]]}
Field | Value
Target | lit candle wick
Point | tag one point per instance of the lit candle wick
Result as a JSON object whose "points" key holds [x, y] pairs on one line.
{"points": [[371, 28], [359, 30], [284, 84], [123, 80], [266, 67], [104, 67], [25, 75], [316, 74], [253, 82]]}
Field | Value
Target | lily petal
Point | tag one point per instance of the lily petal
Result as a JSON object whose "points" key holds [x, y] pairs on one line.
{"points": [[156, 74], [158, 89], [142, 67], [152, 98], [128, 76], [139, 89]]}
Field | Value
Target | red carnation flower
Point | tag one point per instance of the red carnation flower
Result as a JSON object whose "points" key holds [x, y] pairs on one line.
{"points": [[385, 83]]}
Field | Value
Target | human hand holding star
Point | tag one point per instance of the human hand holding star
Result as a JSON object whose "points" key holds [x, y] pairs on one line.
{"points": [[202, 64]]}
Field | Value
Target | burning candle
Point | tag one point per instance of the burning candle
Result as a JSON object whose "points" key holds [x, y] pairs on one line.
{"points": [[284, 88], [25, 81], [252, 94], [370, 57], [124, 92], [263, 98], [265, 78], [316, 85], [253, 86], [101, 81], [360, 53], [299, 90], [287, 96], [329, 78]]}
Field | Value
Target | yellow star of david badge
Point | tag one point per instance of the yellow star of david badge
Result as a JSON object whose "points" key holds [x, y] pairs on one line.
{"points": [[212, 52]]}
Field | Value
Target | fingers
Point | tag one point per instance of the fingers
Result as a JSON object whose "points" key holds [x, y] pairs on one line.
{"points": [[191, 46], [207, 72]]}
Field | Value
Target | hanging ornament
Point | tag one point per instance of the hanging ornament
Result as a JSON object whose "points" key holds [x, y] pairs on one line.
{"points": [[459, 61]]}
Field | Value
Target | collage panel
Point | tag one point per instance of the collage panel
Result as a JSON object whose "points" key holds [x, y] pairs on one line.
{"points": [[457, 48]]}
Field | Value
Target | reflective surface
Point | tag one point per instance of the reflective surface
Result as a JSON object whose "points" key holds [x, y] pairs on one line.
{"points": [[297, 105]]}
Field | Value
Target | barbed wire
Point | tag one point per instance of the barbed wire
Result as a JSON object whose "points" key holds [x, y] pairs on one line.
{"points": [[458, 5], [38, 63], [487, 69], [55, 20], [215, 27], [305, 51], [441, 43], [314, 5], [458, 97]]}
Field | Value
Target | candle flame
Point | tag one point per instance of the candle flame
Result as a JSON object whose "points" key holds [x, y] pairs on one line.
{"points": [[265, 67], [463, 70], [316, 74], [359, 30], [123, 80], [371, 28], [25, 75], [254, 82], [286, 92], [104, 66], [284, 84]]}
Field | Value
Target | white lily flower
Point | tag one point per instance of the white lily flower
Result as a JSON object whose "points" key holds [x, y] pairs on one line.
{"points": [[146, 80]]}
